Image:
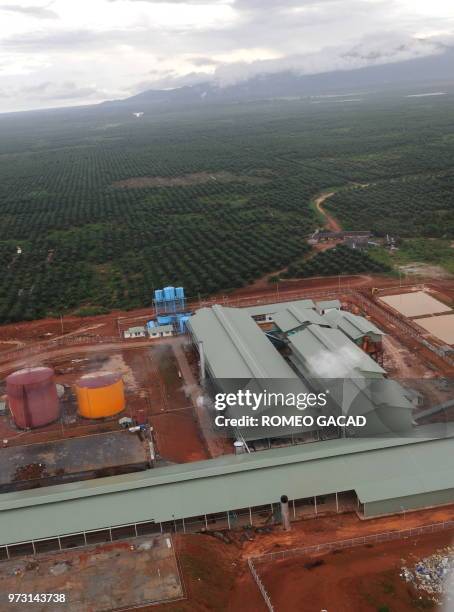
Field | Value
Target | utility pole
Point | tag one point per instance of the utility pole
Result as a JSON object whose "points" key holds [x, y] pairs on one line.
{"points": [[61, 323]]}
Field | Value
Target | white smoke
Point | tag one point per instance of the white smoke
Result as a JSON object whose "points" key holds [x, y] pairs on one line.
{"points": [[339, 363]]}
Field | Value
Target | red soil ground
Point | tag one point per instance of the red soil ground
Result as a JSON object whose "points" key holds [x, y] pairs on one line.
{"points": [[216, 574], [153, 390], [109, 325], [364, 578]]}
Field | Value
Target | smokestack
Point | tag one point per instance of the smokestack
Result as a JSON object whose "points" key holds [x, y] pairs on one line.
{"points": [[239, 447], [285, 514], [202, 363]]}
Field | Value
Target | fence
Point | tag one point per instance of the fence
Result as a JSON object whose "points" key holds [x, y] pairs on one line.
{"points": [[327, 547], [36, 349], [375, 538], [260, 584], [359, 297]]}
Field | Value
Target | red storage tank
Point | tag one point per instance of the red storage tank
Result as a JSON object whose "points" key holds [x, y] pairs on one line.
{"points": [[32, 397]]}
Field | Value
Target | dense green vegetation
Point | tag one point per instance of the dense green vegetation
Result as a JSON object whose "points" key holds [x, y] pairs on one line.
{"points": [[92, 244], [421, 205], [434, 251], [339, 260]]}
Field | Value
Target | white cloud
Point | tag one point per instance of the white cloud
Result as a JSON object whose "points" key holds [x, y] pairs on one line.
{"points": [[104, 48]]}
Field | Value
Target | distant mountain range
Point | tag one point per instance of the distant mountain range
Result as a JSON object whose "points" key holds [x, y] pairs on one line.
{"points": [[429, 70]]}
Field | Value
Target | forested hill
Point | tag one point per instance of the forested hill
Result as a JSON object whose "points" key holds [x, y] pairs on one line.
{"points": [[105, 206]]}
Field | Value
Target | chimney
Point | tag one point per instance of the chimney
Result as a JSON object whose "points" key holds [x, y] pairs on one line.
{"points": [[285, 514]]}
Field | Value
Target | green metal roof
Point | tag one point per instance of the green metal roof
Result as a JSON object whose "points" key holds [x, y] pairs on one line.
{"points": [[271, 309], [354, 326], [294, 316], [328, 304], [235, 346], [279, 457], [328, 353], [232, 482]]}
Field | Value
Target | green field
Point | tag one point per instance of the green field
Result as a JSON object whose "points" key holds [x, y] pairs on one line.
{"points": [[106, 207]]}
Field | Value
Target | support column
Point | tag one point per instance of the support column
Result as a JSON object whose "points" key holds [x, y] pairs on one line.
{"points": [[202, 363], [285, 514]]}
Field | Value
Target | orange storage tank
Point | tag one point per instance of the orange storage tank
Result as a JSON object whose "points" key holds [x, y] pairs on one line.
{"points": [[100, 395]]}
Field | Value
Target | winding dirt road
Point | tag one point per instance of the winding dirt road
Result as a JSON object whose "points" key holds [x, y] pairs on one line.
{"points": [[330, 222]]}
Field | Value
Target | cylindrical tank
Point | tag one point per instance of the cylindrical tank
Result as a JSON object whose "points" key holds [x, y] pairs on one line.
{"points": [[100, 395], [164, 320], [32, 397], [182, 320], [169, 293], [159, 295]]}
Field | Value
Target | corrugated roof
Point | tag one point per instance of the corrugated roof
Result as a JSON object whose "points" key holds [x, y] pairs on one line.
{"points": [[294, 316], [328, 353], [235, 347], [352, 325], [319, 452], [232, 482], [265, 309], [324, 305]]}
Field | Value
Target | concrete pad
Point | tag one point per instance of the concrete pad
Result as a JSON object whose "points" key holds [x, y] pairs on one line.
{"points": [[441, 327], [123, 574], [415, 304]]}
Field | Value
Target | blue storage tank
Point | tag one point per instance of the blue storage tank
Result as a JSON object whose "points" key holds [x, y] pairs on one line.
{"points": [[164, 320], [169, 294], [182, 320], [179, 293], [151, 324], [158, 295]]}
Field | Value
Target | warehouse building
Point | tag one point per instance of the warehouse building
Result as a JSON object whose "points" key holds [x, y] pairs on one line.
{"points": [[305, 351], [355, 327], [265, 313], [234, 490], [235, 352]]}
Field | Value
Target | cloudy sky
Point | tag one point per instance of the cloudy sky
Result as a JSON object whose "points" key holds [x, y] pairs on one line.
{"points": [[67, 52]]}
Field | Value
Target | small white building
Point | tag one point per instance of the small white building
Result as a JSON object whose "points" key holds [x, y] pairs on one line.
{"points": [[160, 331], [135, 332]]}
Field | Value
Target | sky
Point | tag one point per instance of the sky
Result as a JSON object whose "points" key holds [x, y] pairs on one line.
{"points": [[72, 52]]}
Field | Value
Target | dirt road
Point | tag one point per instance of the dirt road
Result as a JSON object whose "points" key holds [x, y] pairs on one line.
{"points": [[330, 222]]}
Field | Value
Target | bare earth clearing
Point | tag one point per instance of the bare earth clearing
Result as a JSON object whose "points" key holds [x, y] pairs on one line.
{"points": [[330, 222], [198, 178]]}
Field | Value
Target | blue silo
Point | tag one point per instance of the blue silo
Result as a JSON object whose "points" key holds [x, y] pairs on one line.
{"points": [[169, 294], [164, 319]]}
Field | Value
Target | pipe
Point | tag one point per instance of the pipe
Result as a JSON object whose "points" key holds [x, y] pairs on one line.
{"points": [[202, 362], [285, 513]]}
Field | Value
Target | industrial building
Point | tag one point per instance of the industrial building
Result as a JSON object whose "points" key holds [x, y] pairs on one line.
{"points": [[219, 493], [307, 347], [301, 345]]}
